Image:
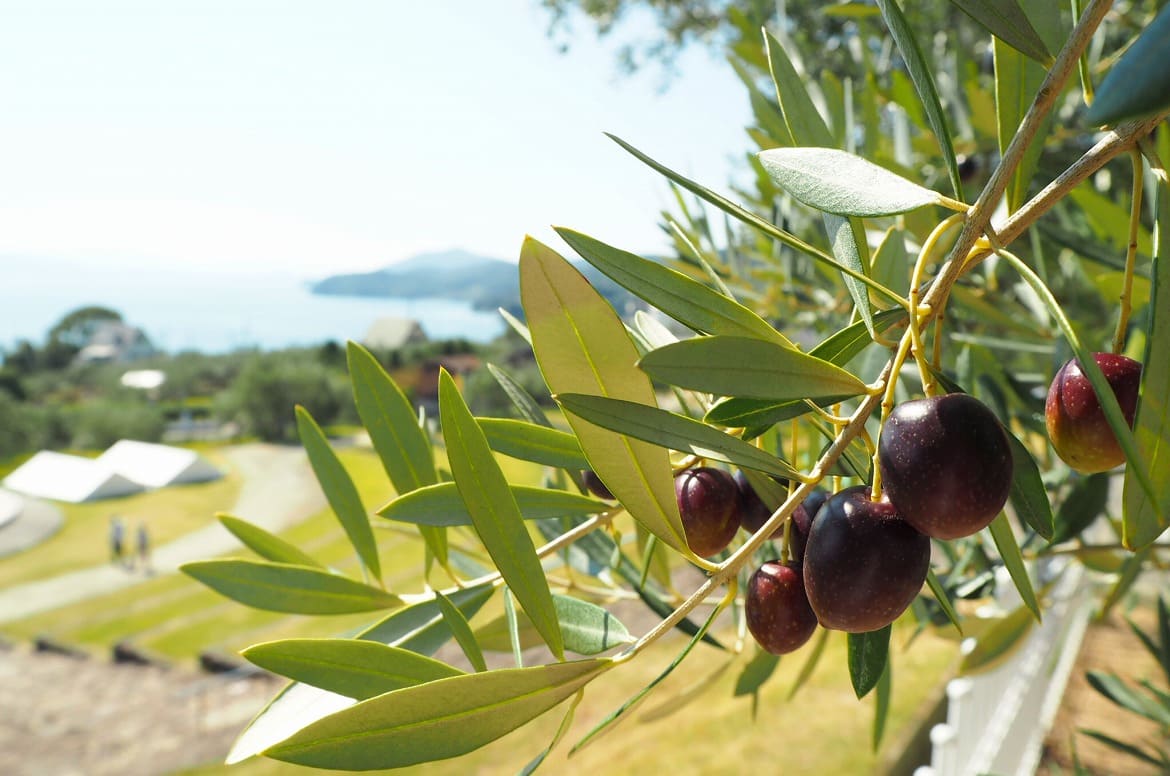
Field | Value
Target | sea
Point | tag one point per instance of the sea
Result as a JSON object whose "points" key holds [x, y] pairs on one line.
{"points": [[214, 312]]}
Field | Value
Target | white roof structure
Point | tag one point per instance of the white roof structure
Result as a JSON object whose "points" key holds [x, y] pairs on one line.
{"points": [[68, 478], [156, 466]]}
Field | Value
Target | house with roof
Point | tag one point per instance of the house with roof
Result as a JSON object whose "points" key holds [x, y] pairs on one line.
{"points": [[392, 332], [115, 341]]}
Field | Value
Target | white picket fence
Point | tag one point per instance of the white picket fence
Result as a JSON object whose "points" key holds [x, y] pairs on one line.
{"points": [[997, 721]]}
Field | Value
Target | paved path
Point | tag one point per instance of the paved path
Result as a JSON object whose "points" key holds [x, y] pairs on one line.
{"points": [[278, 491], [33, 522]]}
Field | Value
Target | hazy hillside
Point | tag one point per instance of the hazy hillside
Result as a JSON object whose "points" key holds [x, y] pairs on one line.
{"points": [[485, 282]]}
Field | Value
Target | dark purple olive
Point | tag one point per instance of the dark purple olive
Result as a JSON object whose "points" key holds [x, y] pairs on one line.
{"points": [[776, 608], [946, 464], [709, 504], [595, 486], [863, 564]]}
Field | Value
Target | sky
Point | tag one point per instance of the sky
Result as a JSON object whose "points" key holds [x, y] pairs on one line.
{"points": [[321, 137]]}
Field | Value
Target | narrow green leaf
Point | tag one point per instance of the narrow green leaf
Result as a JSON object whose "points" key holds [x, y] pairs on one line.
{"points": [[881, 707], [1116, 690], [756, 672], [672, 431], [529, 442], [1006, 20], [390, 419], [589, 629], [437, 720], [753, 220], [803, 120], [846, 344], [838, 182], [1139, 83], [1105, 396], [944, 599], [847, 237], [1131, 569], [419, 628], [562, 729], [442, 504], [494, 513], [1028, 495], [1083, 504], [522, 400], [607, 723], [736, 366], [868, 653], [516, 325], [810, 663], [696, 689], [461, 631], [1122, 746], [264, 544], [582, 347], [1145, 518], [675, 294], [923, 80], [998, 642], [1017, 80], [1013, 560], [512, 618], [339, 491], [284, 587], [354, 668]]}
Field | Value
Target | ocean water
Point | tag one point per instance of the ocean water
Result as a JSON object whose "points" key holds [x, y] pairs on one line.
{"points": [[213, 312]]}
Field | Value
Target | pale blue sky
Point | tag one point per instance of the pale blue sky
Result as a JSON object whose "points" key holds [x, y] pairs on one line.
{"points": [[325, 136]]}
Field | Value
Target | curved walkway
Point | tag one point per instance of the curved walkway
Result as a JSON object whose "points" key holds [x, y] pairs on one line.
{"points": [[278, 491], [33, 522]]}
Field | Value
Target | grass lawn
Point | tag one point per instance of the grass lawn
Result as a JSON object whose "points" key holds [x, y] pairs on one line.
{"points": [[83, 538]]}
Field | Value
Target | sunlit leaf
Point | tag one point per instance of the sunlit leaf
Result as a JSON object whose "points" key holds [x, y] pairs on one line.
{"points": [[461, 630], [804, 122], [1140, 82], [339, 491], [943, 599], [588, 629], [736, 366], [265, 544], [675, 294], [437, 720], [529, 442], [1144, 518], [494, 512], [868, 653], [1013, 560], [419, 628], [562, 729], [881, 707], [352, 667], [1007, 21], [923, 80], [442, 504], [582, 347], [672, 431], [284, 587], [839, 182]]}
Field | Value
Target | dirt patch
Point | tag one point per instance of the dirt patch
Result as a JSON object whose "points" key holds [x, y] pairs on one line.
{"points": [[1112, 647], [62, 715]]}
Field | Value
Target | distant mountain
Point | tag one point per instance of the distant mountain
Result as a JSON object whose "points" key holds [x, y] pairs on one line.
{"points": [[485, 282]]}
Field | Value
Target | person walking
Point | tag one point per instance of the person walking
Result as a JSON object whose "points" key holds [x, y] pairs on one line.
{"points": [[143, 547], [117, 540]]}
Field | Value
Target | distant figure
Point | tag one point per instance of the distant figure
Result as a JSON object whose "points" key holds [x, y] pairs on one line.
{"points": [[143, 547], [117, 540]]}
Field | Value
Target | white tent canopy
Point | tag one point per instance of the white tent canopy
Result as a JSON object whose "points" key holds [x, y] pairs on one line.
{"points": [[156, 466], [68, 478]]}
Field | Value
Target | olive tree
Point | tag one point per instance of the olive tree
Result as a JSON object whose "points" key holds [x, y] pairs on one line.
{"points": [[884, 317]]}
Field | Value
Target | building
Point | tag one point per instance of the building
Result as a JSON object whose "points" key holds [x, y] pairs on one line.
{"points": [[157, 466], [115, 341], [69, 478], [390, 333]]}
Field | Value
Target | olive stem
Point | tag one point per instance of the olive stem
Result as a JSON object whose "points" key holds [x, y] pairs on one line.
{"points": [[916, 313], [1135, 215]]}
